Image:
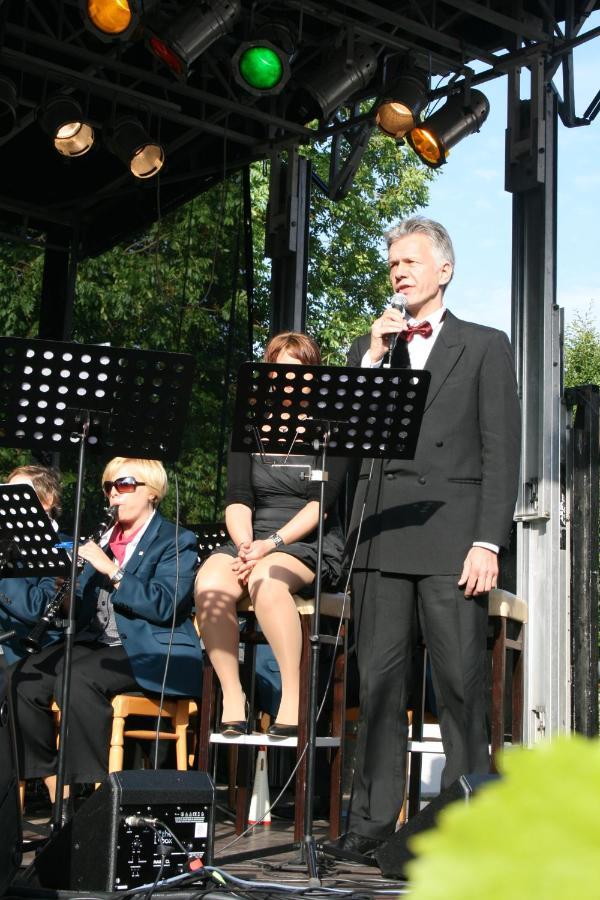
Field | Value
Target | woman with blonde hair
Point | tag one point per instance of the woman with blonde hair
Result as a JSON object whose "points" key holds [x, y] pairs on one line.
{"points": [[134, 603], [271, 516]]}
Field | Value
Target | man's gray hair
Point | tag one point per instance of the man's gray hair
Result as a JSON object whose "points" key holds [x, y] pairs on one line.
{"points": [[437, 234]]}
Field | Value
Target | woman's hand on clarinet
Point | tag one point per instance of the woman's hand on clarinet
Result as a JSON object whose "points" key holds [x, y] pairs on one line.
{"points": [[96, 556]]}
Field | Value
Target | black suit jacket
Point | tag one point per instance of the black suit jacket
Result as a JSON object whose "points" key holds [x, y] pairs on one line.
{"points": [[422, 515]]}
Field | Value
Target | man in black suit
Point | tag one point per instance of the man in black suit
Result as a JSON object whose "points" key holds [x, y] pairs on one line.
{"points": [[431, 531]]}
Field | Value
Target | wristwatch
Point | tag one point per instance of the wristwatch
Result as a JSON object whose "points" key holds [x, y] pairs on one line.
{"points": [[276, 538], [117, 577]]}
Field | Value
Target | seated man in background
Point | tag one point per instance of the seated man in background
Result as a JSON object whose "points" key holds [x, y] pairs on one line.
{"points": [[22, 600]]}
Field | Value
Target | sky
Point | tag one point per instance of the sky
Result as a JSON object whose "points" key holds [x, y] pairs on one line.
{"points": [[468, 197]]}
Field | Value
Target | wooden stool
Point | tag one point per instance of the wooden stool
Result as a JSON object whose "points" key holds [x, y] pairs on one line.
{"points": [[335, 607], [125, 705], [508, 615]]}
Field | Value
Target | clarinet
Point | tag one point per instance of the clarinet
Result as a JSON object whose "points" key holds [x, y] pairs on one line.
{"points": [[32, 643]]}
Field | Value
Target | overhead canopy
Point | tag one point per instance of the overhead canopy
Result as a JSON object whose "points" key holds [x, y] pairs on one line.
{"points": [[207, 122]]}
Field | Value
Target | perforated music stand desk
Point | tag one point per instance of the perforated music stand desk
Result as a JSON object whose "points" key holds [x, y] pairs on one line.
{"points": [[370, 412], [27, 530], [136, 399], [295, 409], [109, 399]]}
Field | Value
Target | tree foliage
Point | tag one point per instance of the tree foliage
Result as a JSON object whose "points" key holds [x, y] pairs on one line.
{"points": [[582, 351], [180, 287]]}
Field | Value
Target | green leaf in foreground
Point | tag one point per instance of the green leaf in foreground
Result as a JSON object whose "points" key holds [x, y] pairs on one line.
{"points": [[534, 834]]}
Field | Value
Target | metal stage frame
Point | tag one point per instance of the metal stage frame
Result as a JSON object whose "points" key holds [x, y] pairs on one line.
{"points": [[533, 39]]}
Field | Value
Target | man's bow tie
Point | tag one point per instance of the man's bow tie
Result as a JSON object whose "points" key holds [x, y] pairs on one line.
{"points": [[423, 328]]}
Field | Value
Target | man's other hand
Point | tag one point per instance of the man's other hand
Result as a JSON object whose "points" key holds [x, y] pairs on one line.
{"points": [[480, 572]]}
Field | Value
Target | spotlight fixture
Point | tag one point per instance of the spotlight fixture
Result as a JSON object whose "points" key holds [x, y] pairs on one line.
{"points": [[8, 105], [129, 141], [62, 119], [262, 66], [403, 101], [324, 89], [115, 19], [193, 32], [459, 117]]}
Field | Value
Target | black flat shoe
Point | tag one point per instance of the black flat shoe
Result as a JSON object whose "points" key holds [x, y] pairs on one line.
{"points": [[354, 847], [277, 730], [234, 729]]}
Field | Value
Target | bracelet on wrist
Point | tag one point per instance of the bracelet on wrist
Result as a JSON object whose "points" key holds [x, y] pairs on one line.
{"points": [[117, 576], [277, 539]]}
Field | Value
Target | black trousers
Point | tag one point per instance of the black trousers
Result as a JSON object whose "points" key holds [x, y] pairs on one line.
{"points": [[385, 611], [98, 673]]}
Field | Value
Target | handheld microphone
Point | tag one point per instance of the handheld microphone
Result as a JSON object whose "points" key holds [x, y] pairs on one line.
{"points": [[398, 301]]}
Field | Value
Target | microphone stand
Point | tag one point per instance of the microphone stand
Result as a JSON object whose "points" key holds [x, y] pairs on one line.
{"points": [[58, 810], [315, 648]]}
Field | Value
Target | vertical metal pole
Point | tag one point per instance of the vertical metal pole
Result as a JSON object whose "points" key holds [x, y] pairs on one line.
{"points": [[542, 545], [313, 699], [57, 819], [584, 554], [58, 284], [287, 234], [58, 298]]}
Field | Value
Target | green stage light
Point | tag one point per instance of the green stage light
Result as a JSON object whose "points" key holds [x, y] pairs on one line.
{"points": [[260, 67]]}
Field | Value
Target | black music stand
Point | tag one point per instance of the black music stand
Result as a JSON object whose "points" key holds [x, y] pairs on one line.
{"points": [[106, 399], [210, 535], [28, 537], [295, 409]]}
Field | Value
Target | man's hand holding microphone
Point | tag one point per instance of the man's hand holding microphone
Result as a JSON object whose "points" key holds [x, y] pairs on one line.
{"points": [[385, 329]]}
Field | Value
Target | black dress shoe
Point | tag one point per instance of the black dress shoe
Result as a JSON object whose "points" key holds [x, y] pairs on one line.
{"points": [[234, 729], [237, 728], [354, 847], [277, 730]]}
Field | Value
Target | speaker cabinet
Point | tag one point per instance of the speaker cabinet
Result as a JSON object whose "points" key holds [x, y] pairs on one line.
{"points": [[104, 849], [393, 856], [10, 813]]}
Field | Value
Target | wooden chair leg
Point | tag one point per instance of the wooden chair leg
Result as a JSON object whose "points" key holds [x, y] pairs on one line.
{"points": [[207, 714], [517, 691], [182, 720], [115, 755], [302, 729], [338, 718], [498, 687]]}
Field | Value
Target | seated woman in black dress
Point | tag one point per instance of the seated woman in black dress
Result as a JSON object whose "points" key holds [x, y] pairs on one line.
{"points": [[271, 515]]}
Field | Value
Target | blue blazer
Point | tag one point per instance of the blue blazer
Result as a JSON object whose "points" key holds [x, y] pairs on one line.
{"points": [[22, 602], [143, 605]]}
